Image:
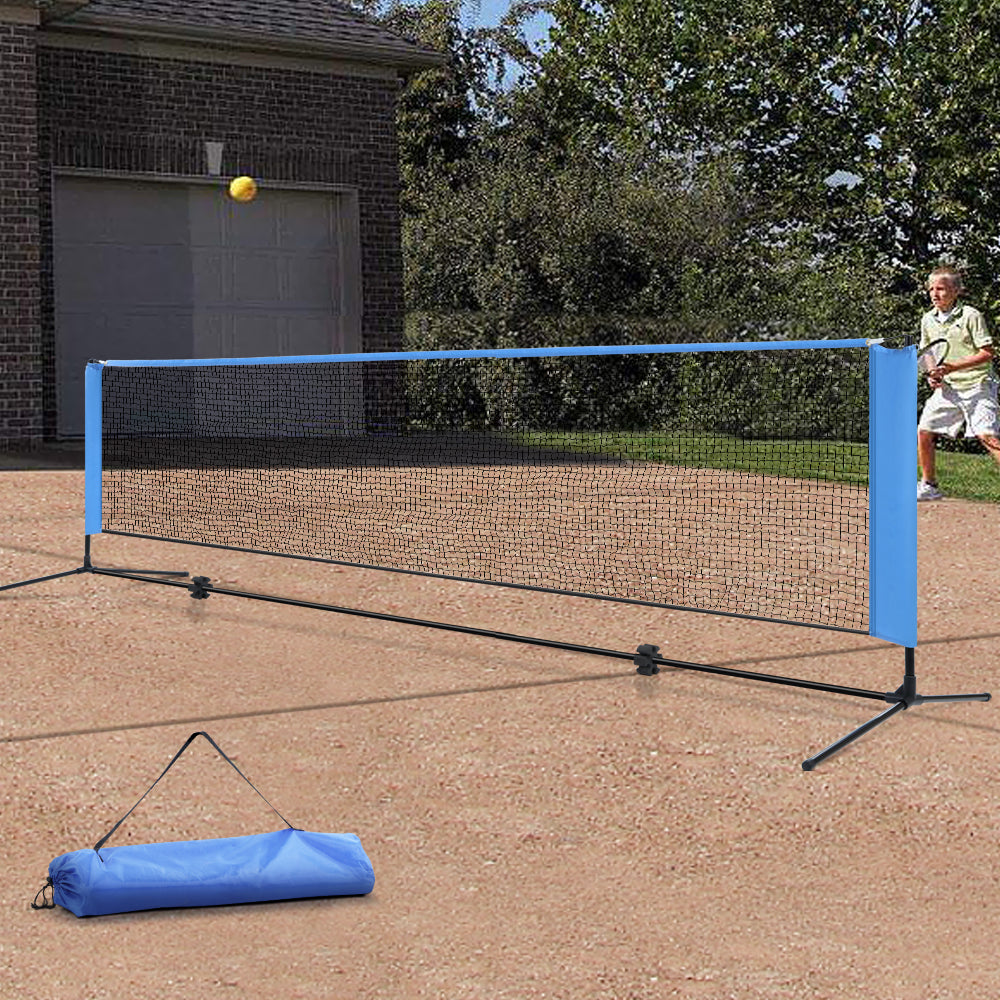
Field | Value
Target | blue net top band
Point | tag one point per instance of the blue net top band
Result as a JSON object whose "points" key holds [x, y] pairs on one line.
{"points": [[526, 352]]}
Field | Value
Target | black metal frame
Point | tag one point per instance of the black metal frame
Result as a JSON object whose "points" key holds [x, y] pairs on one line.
{"points": [[646, 658]]}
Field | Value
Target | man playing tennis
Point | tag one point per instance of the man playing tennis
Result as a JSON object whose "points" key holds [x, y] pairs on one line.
{"points": [[965, 390]]}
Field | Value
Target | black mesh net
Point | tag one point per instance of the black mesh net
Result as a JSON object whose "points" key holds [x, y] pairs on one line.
{"points": [[727, 481]]}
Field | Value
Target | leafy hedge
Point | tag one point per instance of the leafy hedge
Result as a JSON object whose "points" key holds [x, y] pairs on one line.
{"points": [[754, 395]]}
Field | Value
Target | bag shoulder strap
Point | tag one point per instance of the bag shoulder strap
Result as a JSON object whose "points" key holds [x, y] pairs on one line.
{"points": [[187, 743]]}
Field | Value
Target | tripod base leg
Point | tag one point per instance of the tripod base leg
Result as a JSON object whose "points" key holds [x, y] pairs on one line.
{"points": [[44, 579], [927, 699], [811, 762]]}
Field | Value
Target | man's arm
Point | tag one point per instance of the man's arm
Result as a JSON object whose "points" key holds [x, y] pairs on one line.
{"points": [[981, 356]]}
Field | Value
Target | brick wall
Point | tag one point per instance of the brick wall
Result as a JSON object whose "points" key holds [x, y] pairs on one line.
{"points": [[20, 358], [122, 112]]}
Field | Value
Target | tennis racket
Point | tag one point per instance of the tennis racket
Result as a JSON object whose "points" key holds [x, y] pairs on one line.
{"points": [[931, 357]]}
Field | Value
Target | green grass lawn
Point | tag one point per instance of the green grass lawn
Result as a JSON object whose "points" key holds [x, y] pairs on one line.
{"points": [[970, 477], [967, 476], [835, 461]]}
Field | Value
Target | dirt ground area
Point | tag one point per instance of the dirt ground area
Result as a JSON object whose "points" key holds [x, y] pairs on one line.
{"points": [[542, 824]]}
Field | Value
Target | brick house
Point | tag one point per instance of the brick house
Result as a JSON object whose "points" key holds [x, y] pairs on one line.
{"points": [[121, 122]]}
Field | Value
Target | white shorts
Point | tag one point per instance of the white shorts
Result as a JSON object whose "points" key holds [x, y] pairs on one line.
{"points": [[948, 409]]}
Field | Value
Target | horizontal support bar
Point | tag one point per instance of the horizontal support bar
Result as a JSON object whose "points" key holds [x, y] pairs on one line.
{"points": [[510, 637]]}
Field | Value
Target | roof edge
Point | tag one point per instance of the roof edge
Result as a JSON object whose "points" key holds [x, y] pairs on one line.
{"points": [[19, 12], [59, 8], [404, 55]]}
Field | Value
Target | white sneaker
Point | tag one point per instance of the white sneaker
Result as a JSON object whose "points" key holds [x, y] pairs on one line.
{"points": [[928, 491]]}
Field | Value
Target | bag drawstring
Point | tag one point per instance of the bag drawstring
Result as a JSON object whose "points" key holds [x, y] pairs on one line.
{"points": [[45, 904]]}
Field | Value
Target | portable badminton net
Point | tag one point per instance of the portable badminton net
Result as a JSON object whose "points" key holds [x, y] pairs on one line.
{"points": [[770, 481]]}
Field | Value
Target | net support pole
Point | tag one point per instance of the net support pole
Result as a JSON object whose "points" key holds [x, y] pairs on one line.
{"points": [[92, 465], [893, 530], [93, 451]]}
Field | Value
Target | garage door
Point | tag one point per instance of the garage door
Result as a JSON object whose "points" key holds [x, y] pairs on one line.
{"points": [[162, 270]]}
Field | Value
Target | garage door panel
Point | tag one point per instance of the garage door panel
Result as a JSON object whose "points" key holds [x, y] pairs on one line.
{"points": [[312, 283], [310, 332], [149, 218], [304, 225], [208, 211], [150, 334], [210, 277], [86, 274], [141, 334], [104, 273], [253, 223], [211, 332], [152, 276], [92, 212], [256, 278], [253, 335]]}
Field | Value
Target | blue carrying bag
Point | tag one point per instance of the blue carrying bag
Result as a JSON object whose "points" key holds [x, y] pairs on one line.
{"points": [[286, 864]]}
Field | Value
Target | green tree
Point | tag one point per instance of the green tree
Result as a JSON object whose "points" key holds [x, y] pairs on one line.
{"points": [[573, 235], [568, 195], [442, 110], [873, 124]]}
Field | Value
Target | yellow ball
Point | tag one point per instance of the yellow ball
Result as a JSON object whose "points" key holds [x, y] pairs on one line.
{"points": [[243, 188]]}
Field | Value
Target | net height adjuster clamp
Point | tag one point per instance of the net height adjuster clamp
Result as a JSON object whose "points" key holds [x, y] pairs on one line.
{"points": [[643, 660], [200, 587]]}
